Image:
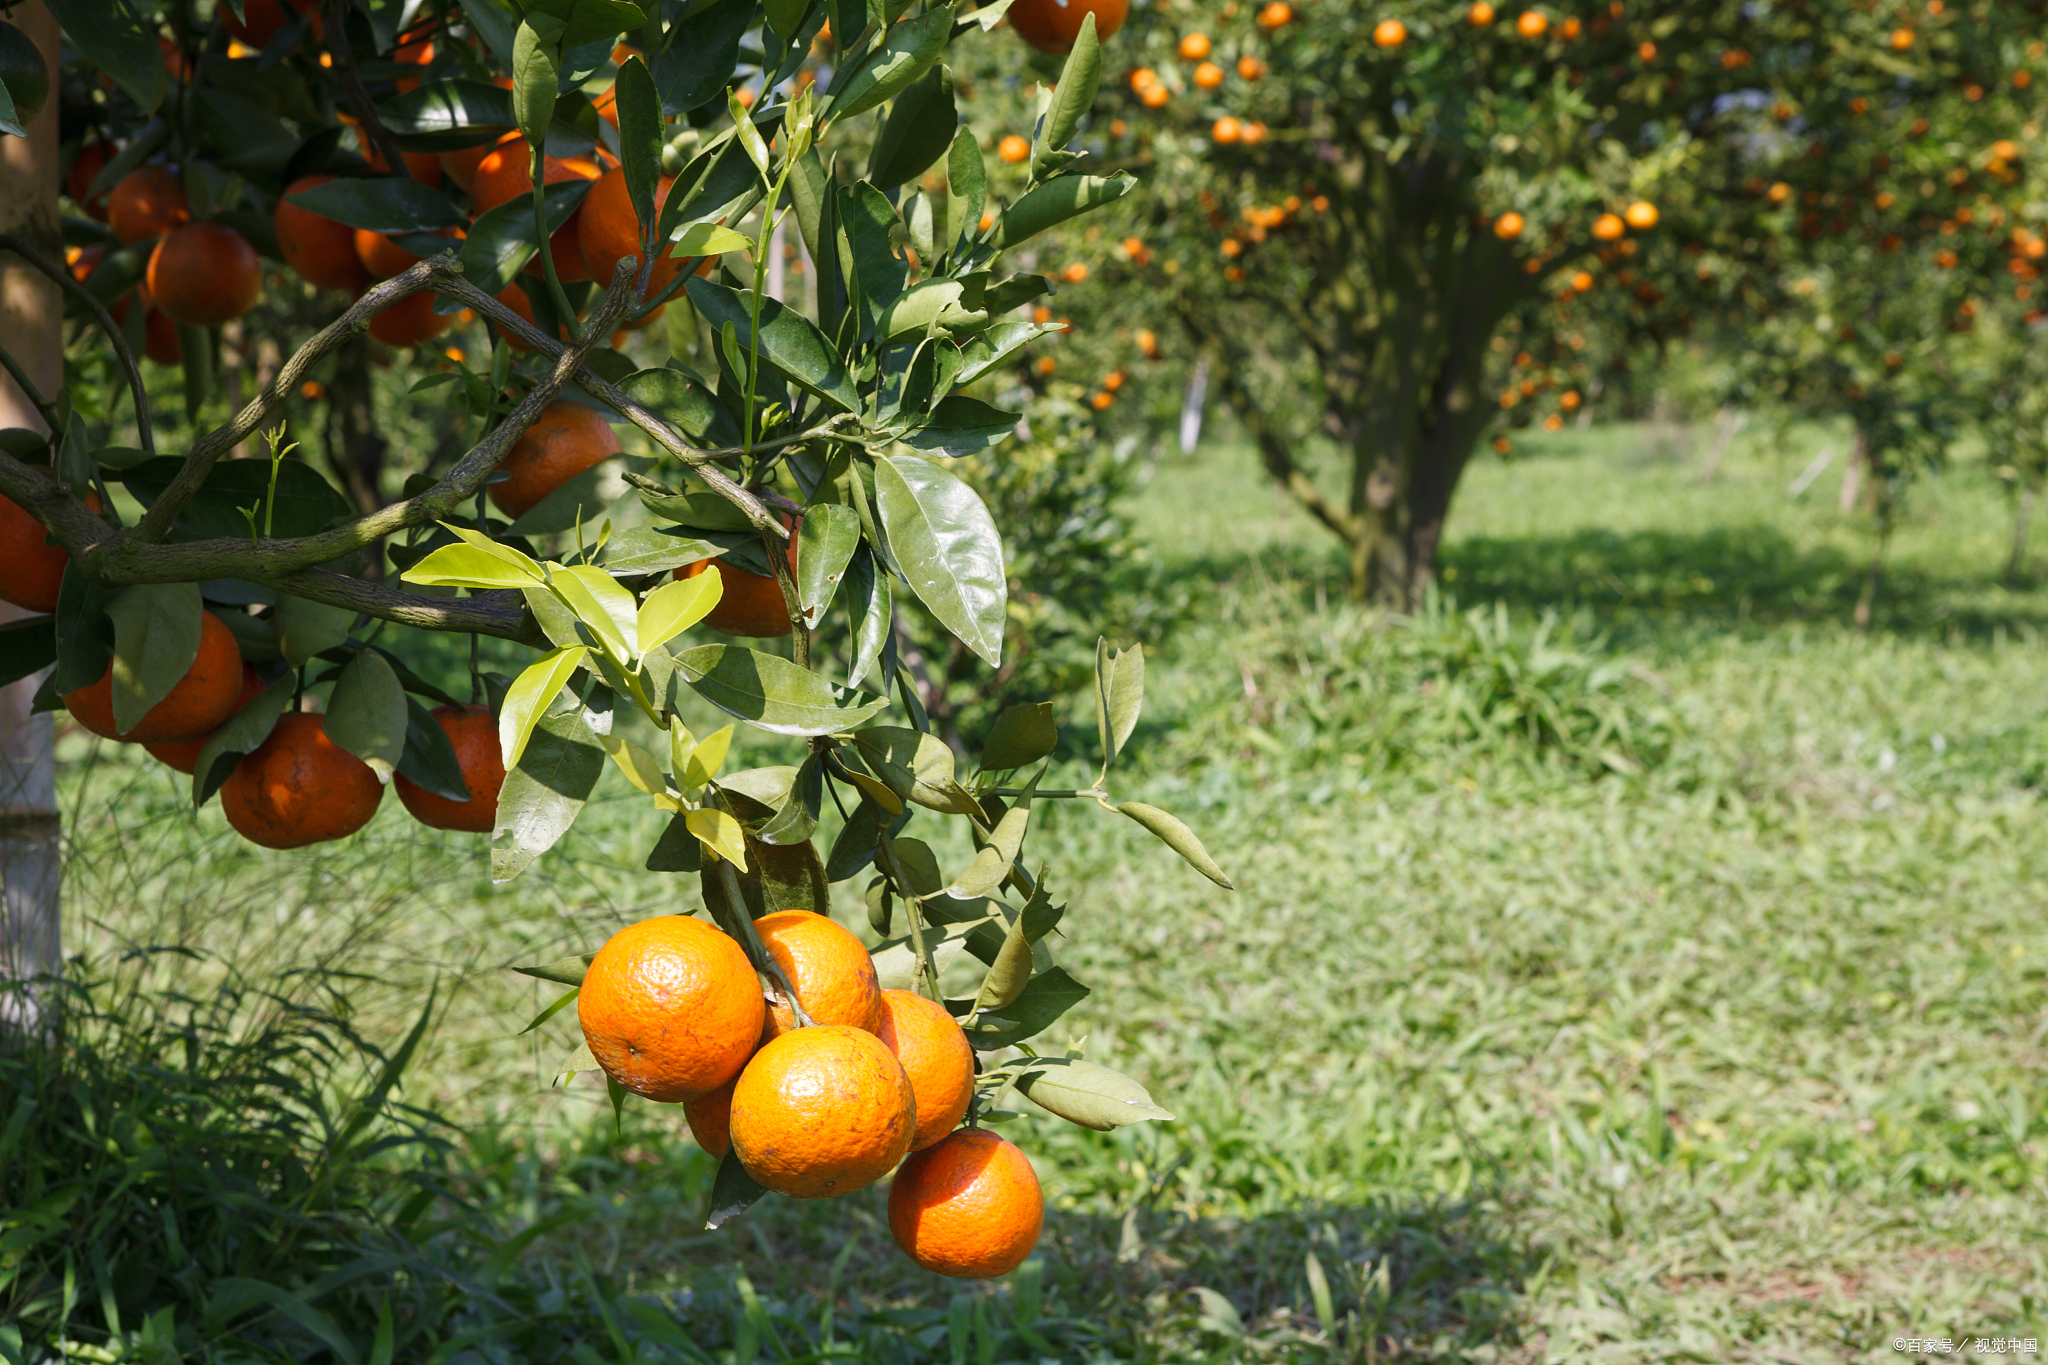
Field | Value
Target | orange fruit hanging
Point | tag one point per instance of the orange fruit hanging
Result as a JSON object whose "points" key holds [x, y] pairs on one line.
{"points": [[383, 258], [506, 173], [513, 297], [671, 1008], [710, 1119], [146, 202], [822, 1111], [200, 700], [566, 439], [92, 159], [411, 321], [474, 737], [183, 754], [204, 274], [828, 967], [1052, 25], [299, 787], [935, 1055], [320, 249], [34, 567], [608, 231], [749, 603], [969, 1206]]}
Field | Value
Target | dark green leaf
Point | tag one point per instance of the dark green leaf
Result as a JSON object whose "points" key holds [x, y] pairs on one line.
{"points": [[536, 63], [789, 341], [382, 204], [702, 50], [305, 502], [156, 638], [1043, 1000], [917, 766], [1056, 201], [544, 792], [639, 113], [242, 733], [460, 112], [677, 850], [85, 635], [902, 56], [991, 866], [875, 274], [684, 404], [960, 426], [1009, 973], [367, 713], [645, 550], [733, 1192], [784, 16], [984, 351], [1085, 1093], [797, 818], [946, 545], [1179, 838], [503, 240], [27, 647], [305, 628], [1016, 290], [120, 38], [1073, 95], [772, 693], [429, 761], [854, 849], [870, 601], [490, 22], [966, 185], [828, 537], [1022, 734], [591, 21], [919, 128]]}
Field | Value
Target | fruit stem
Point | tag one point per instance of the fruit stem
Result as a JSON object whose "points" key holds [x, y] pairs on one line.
{"points": [[764, 963], [927, 965]]}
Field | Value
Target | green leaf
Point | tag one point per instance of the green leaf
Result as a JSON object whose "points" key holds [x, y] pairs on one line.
{"points": [[305, 628], [27, 647], [932, 308], [961, 426], [797, 818], [639, 113], [156, 638], [241, 733], [771, 693], [1073, 96], [709, 239], [429, 760], [503, 240], [686, 405], [458, 112], [642, 550], [529, 697], [1119, 696], [870, 600], [703, 49], [784, 16], [1021, 735], [829, 535], [674, 607], [919, 128], [855, 847], [1085, 1093], [1055, 202], [590, 21], [902, 56], [382, 204], [983, 351], [896, 961], [1179, 838], [545, 791], [120, 38], [1043, 1000], [467, 566], [367, 713], [490, 22], [789, 341], [947, 547], [966, 184], [917, 766], [566, 970], [677, 850], [992, 864], [748, 136], [604, 605], [536, 57], [1009, 973], [305, 502], [733, 1192]]}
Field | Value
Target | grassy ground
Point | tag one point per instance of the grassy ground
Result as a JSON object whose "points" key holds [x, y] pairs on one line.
{"points": [[1707, 1028]]}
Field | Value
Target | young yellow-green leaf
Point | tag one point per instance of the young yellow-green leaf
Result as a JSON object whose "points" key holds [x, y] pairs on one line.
{"points": [[1009, 973], [1179, 838], [707, 759], [474, 565], [709, 239], [640, 767], [673, 608], [528, 698], [719, 833], [602, 603], [156, 638], [1088, 1094], [681, 743], [749, 135]]}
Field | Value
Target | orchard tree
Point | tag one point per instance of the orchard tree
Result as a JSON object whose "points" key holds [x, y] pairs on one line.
{"points": [[563, 174], [1346, 204]]}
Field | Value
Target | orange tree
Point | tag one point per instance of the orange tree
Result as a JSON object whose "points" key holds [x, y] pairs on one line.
{"points": [[596, 163], [1344, 206]]}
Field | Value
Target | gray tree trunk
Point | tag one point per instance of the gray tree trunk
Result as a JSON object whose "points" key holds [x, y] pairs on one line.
{"points": [[31, 323]]}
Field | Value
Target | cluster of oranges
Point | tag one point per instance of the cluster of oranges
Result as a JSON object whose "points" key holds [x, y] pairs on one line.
{"points": [[200, 274], [1205, 73], [821, 1104]]}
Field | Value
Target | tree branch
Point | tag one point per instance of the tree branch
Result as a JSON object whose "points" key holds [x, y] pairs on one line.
{"points": [[65, 281], [373, 129]]}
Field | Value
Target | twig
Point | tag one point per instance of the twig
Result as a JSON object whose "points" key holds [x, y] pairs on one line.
{"points": [[70, 285]]}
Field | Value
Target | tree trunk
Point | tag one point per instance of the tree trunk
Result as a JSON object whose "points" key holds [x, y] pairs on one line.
{"points": [[1881, 496], [31, 327]]}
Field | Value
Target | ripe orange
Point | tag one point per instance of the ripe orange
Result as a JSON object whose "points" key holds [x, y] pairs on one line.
{"points": [[1508, 226], [1607, 227], [1251, 134], [1389, 33], [710, 1119], [1275, 14], [1225, 129], [204, 274], [1532, 23], [1480, 14], [261, 21], [460, 166], [1582, 280], [1250, 68], [1641, 215], [671, 1008], [1052, 25], [1194, 47], [320, 249], [513, 297], [160, 339], [146, 202], [822, 1111], [411, 321], [608, 231], [566, 439], [506, 172], [935, 1055], [969, 1206], [201, 700], [1902, 39], [830, 971], [183, 754], [383, 257], [92, 159], [1208, 76], [1154, 96], [299, 787], [749, 603], [413, 51], [1013, 149], [35, 568], [474, 736]]}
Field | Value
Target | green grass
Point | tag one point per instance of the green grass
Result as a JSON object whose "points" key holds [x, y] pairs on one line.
{"points": [[1728, 1051]]}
